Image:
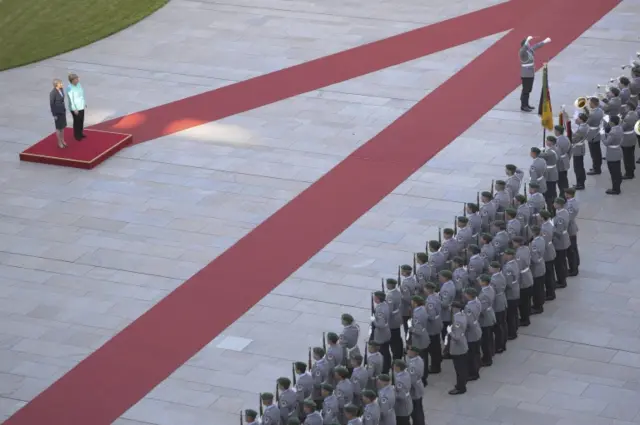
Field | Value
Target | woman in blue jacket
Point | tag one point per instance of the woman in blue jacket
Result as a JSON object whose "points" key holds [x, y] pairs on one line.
{"points": [[77, 105]]}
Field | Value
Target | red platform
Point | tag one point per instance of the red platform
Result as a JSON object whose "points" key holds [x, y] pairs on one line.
{"points": [[91, 151]]}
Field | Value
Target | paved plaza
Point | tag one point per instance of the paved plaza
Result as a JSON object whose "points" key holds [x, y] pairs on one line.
{"points": [[85, 253]]}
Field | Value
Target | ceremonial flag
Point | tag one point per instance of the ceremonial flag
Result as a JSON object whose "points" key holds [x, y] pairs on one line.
{"points": [[544, 109]]}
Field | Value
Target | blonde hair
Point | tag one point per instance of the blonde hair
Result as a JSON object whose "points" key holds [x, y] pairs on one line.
{"points": [[56, 82], [72, 77]]}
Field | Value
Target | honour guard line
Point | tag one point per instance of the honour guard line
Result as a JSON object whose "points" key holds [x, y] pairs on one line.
{"points": [[476, 283]]}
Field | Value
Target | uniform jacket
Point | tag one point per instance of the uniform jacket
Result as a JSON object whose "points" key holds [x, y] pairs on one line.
{"points": [[359, 379], [447, 295], [537, 203], [473, 309], [612, 106], [304, 387], [335, 357], [475, 268], [551, 157], [547, 230], [404, 404], [628, 123], [409, 288], [502, 199], [573, 208], [460, 279], [394, 299], [349, 340], [330, 410], [387, 402], [488, 215], [512, 274], [344, 392], [538, 171], [415, 367], [288, 405], [595, 118], [314, 418], [475, 222], [634, 89], [371, 414], [271, 415], [514, 228], [438, 261], [419, 332], [563, 149], [561, 235], [458, 341], [514, 182], [425, 273], [538, 246], [355, 421], [524, 217], [578, 139], [434, 314], [381, 319], [487, 297], [501, 242], [488, 251], [527, 60], [450, 248], [523, 257], [625, 94], [320, 373], [375, 361], [612, 141], [464, 236], [499, 283]]}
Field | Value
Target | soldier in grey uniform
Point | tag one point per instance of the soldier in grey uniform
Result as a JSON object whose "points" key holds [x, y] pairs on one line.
{"points": [[573, 254], [502, 198], [433, 305], [404, 405], [523, 214], [424, 272], [447, 296], [551, 156], [475, 220], [371, 411], [304, 386], [394, 299], [563, 149], [271, 414], [487, 298], [499, 283], [578, 150], [349, 337], [375, 361], [538, 170], [594, 118], [464, 235], [561, 241], [501, 238], [293, 421], [330, 406], [386, 400], [335, 355], [512, 275], [319, 372], [415, 367], [514, 179], [381, 332], [547, 230], [514, 226], [437, 259], [488, 211], [538, 269], [344, 390], [535, 201], [625, 92], [449, 246], [250, 416], [460, 276], [459, 350], [312, 416], [473, 334], [612, 140], [351, 414], [523, 257], [420, 332], [629, 141], [477, 265], [409, 287], [527, 70], [487, 250], [612, 103], [359, 378], [288, 400]]}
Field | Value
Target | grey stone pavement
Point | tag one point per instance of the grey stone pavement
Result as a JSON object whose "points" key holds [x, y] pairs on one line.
{"points": [[82, 254]]}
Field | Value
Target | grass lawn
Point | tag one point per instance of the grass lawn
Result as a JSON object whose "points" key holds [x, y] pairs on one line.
{"points": [[32, 30]]}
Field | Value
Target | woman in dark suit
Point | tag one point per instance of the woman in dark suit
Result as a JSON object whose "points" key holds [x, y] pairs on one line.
{"points": [[59, 111]]}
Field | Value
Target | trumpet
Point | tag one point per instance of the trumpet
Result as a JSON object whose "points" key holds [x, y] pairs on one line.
{"points": [[636, 128], [583, 101]]}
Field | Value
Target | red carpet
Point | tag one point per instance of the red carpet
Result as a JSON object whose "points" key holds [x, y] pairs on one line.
{"points": [[98, 146], [125, 369]]}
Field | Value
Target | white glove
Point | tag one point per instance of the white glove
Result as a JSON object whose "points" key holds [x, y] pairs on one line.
{"points": [[547, 40], [409, 322], [373, 318], [370, 330], [449, 329], [529, 39]]}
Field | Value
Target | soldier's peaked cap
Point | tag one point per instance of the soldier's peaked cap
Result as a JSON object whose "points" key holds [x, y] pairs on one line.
{"points": [[346, 317], [319, 351], [511, 167], [414, 349], [446, 273], [518, 239], [332, 336], [486, 277], [535, 150], [391, 282], [400, 363], [500, 183], [417, 299], [494, 264], [250, 413], [559, 201], [430, 285], [300, 365], [342, 371], [571, 191], [486, 194], [309, 403], [534, 185], [384, 377], [545, 214], [463, 219], [511, 211], [327, 387], [370, 394], [381, 295], [406, 268], [266, 396], [510, 251], [351, 409], [284, 381], [470, 291]]}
